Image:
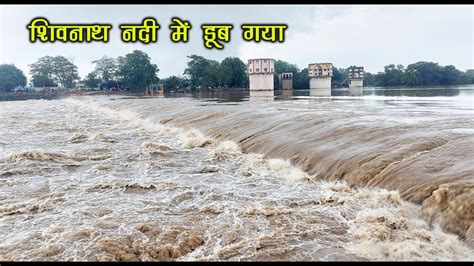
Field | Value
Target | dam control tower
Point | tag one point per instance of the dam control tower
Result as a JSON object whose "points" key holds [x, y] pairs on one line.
{"points": [[320, 75], [355, 76], [260, 73], [286, 80]]}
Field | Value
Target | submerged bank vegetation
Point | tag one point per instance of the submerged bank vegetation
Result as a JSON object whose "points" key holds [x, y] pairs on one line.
{"points": [[134, 72]]}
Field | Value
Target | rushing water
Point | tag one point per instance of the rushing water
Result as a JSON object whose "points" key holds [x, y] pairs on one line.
{"points": [[385, 176]]}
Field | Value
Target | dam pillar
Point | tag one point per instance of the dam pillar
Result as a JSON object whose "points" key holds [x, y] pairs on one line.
{"points": [[320, 76], [260, 73], [356, 91], [286, 80], [355, 76], [286, 93]]}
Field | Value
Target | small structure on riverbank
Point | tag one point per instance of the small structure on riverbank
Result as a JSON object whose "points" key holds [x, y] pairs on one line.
{"points": [[260, 73], [286, 81], [154, 89], [355, 76]]}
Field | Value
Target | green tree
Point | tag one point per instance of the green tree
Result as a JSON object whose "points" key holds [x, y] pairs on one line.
{"points": [[419, 74], [65, 71], [105, 68], [10, 77], [468, 77], [369, 79], [49, 71], [451, 76], [42, 72], [174, 82], [232, 72], [339, 76], [92, 80], [202, 72], [392, 76], [135, 70], [379, 79], [301, 80], [423, 74], [211, 74]]}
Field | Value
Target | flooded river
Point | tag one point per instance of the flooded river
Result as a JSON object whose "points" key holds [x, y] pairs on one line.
{"points": [[384, 176]]}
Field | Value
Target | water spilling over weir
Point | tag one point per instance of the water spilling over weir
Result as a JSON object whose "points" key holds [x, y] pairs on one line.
{"points": [[100, 178]]}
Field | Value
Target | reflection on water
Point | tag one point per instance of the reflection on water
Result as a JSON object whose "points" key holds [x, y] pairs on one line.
{"points": [[320, 92], [357, 91], [286, 93], [227, 96], [261, 94], [242, 95]]}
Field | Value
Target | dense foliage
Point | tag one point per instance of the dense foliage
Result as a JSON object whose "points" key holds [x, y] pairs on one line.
{"points": [[11, 77], [50, 71], [134, 71], [419, 74], [206, 73]]}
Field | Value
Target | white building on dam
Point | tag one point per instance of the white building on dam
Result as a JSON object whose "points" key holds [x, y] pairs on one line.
{"points": [[320, 76], [261, 71], [355, 76]]}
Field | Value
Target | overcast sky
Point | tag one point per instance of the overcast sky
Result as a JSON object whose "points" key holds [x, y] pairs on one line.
{"points": [[370, 36]]}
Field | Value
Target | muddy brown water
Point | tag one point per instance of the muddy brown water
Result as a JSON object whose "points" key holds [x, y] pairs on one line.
{"points": [[209, 177]]}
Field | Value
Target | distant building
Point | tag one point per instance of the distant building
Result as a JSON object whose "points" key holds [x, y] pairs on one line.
{"points": [[260, 73], [355, 76], [110, 85], [320, 75], [47, 89], [155, 89], [286, 80], [80, 86]]}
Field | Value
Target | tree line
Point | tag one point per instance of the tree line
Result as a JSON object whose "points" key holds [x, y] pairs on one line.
{"points": [[231, 73], [134, 72], [203, 73], [419, 74]]}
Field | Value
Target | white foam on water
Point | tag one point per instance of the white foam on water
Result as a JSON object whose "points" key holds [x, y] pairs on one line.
{"points": [[161, 192]]}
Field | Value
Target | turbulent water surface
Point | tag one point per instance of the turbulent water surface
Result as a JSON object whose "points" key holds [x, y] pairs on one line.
{"points": [[378, 177]]}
